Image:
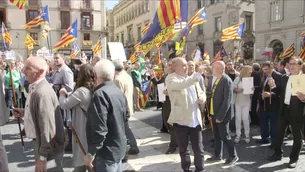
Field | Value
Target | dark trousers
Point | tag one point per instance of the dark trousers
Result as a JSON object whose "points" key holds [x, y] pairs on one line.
{"points": [[297, 132], [222, 136], [166, 109], [253, 113], [268, 123], [195, 135], [130, 137]]}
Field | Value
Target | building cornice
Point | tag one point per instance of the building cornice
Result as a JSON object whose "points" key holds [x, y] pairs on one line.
{"points": [[281, 28]]}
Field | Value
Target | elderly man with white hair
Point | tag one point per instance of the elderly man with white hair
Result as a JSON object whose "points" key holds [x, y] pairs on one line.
{"points": [[124, 81], [43, 118], [107, 114]]}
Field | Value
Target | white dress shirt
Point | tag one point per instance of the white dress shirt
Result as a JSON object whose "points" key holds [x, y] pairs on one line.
{"points": [[288, 92], [28, 121]]}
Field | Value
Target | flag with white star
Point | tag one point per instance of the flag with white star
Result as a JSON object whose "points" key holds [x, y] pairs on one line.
{"points": [[69, 36], [233, 32], [199, 18], [41, 19]]}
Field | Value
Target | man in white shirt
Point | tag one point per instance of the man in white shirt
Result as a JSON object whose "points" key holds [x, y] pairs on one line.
{"points": [[185, 95], [291, 112]]}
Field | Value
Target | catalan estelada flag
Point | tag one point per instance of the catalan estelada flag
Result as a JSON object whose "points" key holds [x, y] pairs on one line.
{"points": [[233, 32], [20, 3], [302, 54], [290, 51], [165, 16], [7, 37], [42, 18], [29, 42], [98, 46], [144, 93], [69, 36], [145, 29], [220, 55], [75, 52], [199, 18], [134, 58]]}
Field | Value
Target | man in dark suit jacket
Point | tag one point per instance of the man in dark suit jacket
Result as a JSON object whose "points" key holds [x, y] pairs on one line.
{"points": [[291, 111], [268, 108], [46, 116], [221, 110], [107, 114]]}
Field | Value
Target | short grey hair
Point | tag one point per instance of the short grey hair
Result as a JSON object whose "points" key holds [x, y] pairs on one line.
{"points": [[104, 70], [118, 65]]}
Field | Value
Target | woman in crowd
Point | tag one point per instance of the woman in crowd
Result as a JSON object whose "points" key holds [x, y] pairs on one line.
{"points": [[242, 105], [79, 101]]}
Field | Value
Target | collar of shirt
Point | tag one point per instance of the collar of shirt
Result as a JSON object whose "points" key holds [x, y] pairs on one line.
{"points": [[32, 86], [180, 76], [287, 71]]}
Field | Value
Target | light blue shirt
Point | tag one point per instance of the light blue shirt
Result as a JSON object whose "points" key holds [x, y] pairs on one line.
{"points": [[192, 94]]}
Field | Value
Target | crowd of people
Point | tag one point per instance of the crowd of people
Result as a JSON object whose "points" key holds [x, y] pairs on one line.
{"points": [[96, 99]]}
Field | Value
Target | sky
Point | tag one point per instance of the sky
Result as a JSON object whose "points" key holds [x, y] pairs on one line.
{"points": [[110, 3]]}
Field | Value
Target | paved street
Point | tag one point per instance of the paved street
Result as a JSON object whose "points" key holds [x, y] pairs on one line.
{"points": [[152, 145]]}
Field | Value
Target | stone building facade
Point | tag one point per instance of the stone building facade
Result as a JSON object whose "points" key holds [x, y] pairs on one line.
{"points": [[91, 15], [130, 17], [222, 14], [279, 24]]}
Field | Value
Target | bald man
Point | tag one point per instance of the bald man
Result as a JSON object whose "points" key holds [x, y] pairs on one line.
{"points": [[43, 113], [221, 108], [185, 95]]}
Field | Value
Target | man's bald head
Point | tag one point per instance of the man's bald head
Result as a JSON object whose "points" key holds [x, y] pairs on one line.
{"points": [[35, 68], [218, 68], [179, 66]]}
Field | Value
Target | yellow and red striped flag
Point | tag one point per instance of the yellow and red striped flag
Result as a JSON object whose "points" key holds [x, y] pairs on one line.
{"points": [[69, 36], [290, 51], [199, 18], [6, 36], [42, 18], [233, 32], [29, 42], [134, 58], [20, 3], [302, 54], [98, 46], [145, 29]]}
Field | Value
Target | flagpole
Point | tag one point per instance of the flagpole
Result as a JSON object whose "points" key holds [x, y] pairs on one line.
{"points": [[49, 33]]}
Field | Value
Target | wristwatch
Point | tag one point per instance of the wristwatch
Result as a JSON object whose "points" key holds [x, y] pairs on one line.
{"points": [[42, 158]]}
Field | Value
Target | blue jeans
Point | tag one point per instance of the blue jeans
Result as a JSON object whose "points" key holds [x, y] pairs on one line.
{"points": [[268, 124], [101, 165]]}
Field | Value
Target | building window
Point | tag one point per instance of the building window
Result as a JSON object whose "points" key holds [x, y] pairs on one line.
{"points": [[34, 36], [217, 45], [64, 4], [146, 6], [86, 36], [87, 20], [139, 33], [199, 4], [218, 24], [86, 3], [33, 3], [117, 38], [212, 2], [65, 19], [139, 10], [130, 38], [248, 19], [2, 16], [143, 7], [275, 10], [122, 38], [200, 29], [31, 14]]}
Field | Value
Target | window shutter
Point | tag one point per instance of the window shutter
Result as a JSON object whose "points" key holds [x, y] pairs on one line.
{"points": [[91, 20], [27, 16]]}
